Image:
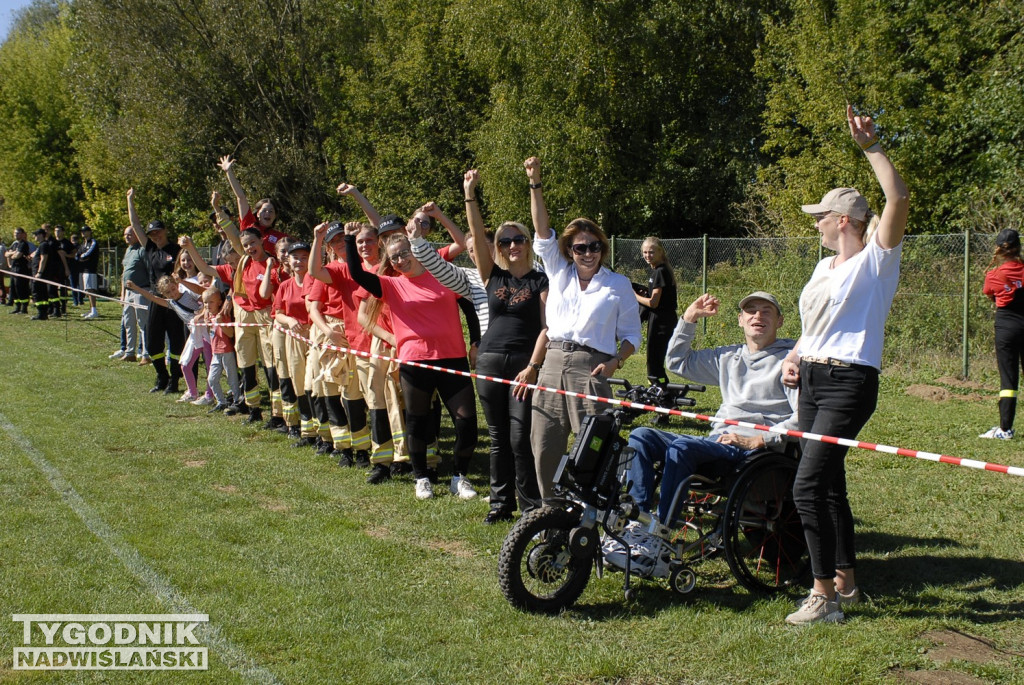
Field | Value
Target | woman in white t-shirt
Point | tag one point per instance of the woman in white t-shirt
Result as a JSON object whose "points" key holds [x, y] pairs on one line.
{"points": [[836, 362]]}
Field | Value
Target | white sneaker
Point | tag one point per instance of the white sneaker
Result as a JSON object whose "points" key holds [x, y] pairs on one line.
{"points": [[186, 397], [816, 609], [91, 315], [852, 597], [203, 401], [997, 433], [424, 490], [117, 355], [460, 486]]}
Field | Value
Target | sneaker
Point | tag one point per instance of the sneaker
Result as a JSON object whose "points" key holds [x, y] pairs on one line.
{"points": [[400, 468], [379, 474], [161, 385], [186, 397], [172, 387], [233, 409], [91, 315], [304, 442], [255, 416], [997, 433], [324, 447], [645, 558], [816, 609], [460, 486], [117, 355], [203, 401], [852, 597], [295, 433], [424, 490], [220, 406]]}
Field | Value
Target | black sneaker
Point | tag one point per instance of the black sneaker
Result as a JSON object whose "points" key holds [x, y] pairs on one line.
{"points": [[379, 474], [172, 388], [233, 409], [255, 416], [362, 459], [161, 385], [324, 447], [400, 468], [295, 433], [275, 422], [344, 457], [304, 442], [496, 515], [220, 406], [283, 427]]}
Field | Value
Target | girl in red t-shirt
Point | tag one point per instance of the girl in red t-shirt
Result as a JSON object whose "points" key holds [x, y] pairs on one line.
{"points": [[1004, 285]]}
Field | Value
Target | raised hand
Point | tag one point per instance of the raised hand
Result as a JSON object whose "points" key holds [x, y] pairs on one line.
{"points": [[353, 227], [704, 306], [320, 230], [346, 189], [226, 163], [184, 241], [215, 200], [533, 169], [131, 194], [413, 230], [431, 209], [469, 182], [861, 128]]}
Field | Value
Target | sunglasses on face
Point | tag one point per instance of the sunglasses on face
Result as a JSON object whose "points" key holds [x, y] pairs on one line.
{"points": [[584, 248], [401, 256], [514, 240]]}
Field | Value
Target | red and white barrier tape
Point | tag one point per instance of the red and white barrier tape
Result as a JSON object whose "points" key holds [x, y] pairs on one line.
{"points": [[77, 290], [887, 449]]}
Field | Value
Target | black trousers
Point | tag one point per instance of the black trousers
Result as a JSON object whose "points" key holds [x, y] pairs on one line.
{"points": [[835, 401], [659, 332], [513, 471], [1009, 357], [418, 386], [160, 323]]}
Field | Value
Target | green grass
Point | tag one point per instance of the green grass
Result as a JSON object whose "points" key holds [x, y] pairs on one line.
{"points": [[318, 577]]}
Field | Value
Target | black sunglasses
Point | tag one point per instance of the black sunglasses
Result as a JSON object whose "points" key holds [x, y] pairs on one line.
{"points": [[583, 248], [508, 242]]}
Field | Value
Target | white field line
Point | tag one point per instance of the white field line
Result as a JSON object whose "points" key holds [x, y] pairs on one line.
{"points": [[233, 656]]}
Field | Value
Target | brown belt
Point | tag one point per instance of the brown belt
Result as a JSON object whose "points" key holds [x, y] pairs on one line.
{"points": [[827, 361]]}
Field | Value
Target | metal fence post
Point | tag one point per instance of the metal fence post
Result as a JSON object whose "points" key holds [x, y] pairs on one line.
{"points": [[704, 276], [613, 252], [967, 275]]}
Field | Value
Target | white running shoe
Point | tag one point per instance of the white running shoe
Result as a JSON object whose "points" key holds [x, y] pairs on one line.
{"points": [[424, 490], [186, 397], [91, 315], [203, 401], [816, 609], [460, 486], [997, 433], [117, 355]]}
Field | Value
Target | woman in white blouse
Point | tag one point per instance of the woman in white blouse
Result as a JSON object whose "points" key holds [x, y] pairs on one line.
{"points": [[593, 327]]}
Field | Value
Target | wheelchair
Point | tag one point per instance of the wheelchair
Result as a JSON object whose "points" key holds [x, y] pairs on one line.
{"points": [[746, 514]]}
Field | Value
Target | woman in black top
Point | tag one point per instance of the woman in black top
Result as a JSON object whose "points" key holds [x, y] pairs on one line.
{"points": [[661, 300], [513, 348]]}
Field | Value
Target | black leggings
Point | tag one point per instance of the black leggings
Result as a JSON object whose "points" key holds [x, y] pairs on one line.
{"points": [[1009, 357], [659, 332], [418, 386]]}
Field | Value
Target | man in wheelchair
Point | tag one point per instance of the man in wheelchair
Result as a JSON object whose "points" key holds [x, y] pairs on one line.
{"points": [[750, 378]]}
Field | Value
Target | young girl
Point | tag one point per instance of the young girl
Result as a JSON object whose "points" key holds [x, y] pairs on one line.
{"points": [[661, 300], [1004, 285], [290, 311], [222, 346], [179, 300], [198, 343]]}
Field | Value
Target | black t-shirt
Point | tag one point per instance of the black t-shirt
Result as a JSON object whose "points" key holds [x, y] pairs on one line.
{"points": [[160, 261], [54, 265], [514, 307], [89, 256], [42, 250], [665, 313], [20, 262]]}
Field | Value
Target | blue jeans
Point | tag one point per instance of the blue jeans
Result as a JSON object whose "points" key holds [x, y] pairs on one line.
{"points": [[684, 455]]}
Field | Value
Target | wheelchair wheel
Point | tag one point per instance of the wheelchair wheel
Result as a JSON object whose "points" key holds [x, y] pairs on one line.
{"points": [[536, 569], [764, 539]]}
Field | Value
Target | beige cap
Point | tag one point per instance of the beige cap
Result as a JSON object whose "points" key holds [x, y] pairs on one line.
{"points": [[842, 201], [761, 295]]}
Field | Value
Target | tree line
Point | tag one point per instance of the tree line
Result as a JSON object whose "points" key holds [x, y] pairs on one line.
{"points": [[652, 116]]}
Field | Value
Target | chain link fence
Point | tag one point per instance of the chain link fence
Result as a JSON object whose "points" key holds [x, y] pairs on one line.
{"points": [[940, 322]]}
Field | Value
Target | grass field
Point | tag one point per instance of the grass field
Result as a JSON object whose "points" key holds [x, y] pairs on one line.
{"points": [[116, 501]]}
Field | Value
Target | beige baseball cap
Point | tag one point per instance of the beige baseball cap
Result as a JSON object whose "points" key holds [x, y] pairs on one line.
{"points": [[842, 201]]}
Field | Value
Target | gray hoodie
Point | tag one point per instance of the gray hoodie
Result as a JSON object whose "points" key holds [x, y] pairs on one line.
{"points": [[751, 382]]}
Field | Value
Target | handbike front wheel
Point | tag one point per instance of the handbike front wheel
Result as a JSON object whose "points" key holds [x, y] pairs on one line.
{"points": [[536, 569]]}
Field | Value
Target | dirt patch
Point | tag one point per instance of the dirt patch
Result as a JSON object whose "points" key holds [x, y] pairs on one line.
{"points": [[957, 383], [952, 645], [195, 463], [938, 678], [274, 505], [453, 547], [929, 392], [229, 489], [379, 532]]}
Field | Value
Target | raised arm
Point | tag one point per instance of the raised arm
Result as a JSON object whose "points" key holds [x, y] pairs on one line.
{"points": [[225, 222], [134, 218], [201, 265], [146, 294], [267, 284], [446, 273], [538, 210], [227, 165], [369, 281], [368, 209], [893, 221], [316, 255], [484, 257], [458, 245]]}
